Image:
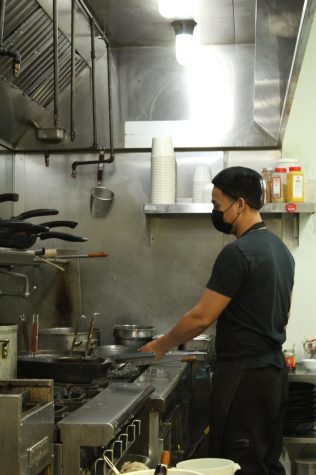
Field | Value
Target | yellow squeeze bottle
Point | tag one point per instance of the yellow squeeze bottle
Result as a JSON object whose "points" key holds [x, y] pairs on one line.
{"points": [[295, 185]]}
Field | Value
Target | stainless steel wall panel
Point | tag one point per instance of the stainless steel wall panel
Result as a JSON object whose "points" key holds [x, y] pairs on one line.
{"points": [[138, 282], [216, 93]]}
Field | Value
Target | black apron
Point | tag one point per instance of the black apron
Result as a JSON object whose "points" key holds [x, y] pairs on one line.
{"points": [[225, 381]]}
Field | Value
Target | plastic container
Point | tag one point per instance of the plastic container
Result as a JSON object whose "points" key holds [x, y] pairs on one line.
{"points": [[278, 186], [295, 185], [210, 466], [267, 178], [287, 163], [290, 360]]}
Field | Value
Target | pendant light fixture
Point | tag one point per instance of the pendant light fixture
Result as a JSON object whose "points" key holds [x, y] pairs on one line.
{"points": [[176, 8], [184, 40]]}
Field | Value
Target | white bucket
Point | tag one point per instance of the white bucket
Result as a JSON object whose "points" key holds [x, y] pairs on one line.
{"points": [[171, 471], [210, 466], [305, 466]]}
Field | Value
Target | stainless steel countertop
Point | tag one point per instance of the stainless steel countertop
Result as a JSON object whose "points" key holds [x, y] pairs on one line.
{"points": [[164, 376], [302, 375], [99, 420]]}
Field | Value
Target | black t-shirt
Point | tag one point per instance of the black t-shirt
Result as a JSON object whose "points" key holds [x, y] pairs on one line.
{"points": [[257, 272]]}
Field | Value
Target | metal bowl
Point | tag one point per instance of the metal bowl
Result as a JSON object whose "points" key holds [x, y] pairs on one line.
{"points": [[133, 336], [134, 331], [108, 351]]}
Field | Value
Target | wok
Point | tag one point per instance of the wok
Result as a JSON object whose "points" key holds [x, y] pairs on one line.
{"points": [[62, 368], [75, 369]]}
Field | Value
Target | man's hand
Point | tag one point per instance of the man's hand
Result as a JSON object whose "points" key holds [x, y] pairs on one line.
{"points": [[156, 347]]}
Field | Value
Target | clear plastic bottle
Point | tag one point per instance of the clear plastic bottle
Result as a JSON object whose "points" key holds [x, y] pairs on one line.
{"points": [[267, 178], [295, 185], [278, 186]]}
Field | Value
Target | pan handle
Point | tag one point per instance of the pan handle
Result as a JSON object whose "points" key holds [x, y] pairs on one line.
{"points": [[9, 197], [36, 212], [63, 236], [56, 224]]}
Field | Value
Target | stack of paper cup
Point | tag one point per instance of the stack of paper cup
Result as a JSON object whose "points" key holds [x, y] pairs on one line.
{"points": [[163, 171], [201, 178]]}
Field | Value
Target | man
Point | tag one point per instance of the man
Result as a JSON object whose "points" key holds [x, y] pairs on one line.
{"points": [[249, 292]]}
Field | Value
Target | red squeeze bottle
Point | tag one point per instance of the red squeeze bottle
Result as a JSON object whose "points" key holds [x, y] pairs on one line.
{"points": [[162, 467]]}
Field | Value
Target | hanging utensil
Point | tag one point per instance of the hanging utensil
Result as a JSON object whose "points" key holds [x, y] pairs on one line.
{"points": [[25, 334], [90, 332], [73, 344], [34, 341]]}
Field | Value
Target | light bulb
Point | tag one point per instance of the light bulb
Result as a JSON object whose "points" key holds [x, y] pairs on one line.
{"points": [[176, 8], [184, 48]]}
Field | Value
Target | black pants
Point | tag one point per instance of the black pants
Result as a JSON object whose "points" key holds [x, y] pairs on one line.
{"points": [[253, 430]]}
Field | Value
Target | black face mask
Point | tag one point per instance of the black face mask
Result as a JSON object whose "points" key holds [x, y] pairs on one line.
{"points": [[219, 223]]}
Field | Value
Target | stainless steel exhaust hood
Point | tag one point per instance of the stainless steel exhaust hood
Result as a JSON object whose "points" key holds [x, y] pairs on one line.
{"points": [[251, 52], [29, 29]]}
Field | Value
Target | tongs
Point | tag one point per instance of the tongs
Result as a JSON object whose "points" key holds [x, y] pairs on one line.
{"points": [[34, 334]]}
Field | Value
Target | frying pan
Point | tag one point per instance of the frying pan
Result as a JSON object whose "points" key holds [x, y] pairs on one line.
{"points": [[25, 239]]}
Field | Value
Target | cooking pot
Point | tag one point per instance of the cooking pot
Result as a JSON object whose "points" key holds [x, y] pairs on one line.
{"points": [[61, 338], [210, 466], [133, 336], [8, 351]]}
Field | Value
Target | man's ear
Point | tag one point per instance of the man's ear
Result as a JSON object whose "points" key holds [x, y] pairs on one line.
{"points": [[242, 203]]}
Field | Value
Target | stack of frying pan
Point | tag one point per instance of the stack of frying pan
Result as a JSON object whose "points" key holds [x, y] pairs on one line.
{"points": [[18, 233], [300, 416]]}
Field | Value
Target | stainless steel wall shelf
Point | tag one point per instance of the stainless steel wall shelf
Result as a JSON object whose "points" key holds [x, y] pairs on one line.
{"points": [[289, 219], [206, 208]]}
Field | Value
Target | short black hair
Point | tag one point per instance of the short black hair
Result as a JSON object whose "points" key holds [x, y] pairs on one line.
{"points": [[241, 182]]}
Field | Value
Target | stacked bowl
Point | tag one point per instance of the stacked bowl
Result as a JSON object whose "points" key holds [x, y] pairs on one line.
{"points": [[300, 415], [202, 179], [163, 171]]}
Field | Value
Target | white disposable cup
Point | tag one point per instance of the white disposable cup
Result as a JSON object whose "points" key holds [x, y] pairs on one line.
{"points": [[202, 173], [162, 146], [207, 193]]}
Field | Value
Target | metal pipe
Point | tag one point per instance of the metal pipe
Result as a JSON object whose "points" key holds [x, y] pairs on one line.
{"points": [[88, 162], [73, 71], [89, 15], [132, 150], [2, 15], [26, 292], [56, 72], [108, 56], [94, 117]]}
